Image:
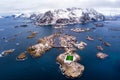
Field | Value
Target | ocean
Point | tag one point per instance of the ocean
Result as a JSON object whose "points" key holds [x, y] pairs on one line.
{"points": [[45, 67]]}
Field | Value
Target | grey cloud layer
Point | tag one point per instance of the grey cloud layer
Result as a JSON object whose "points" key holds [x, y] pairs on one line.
{"points": [[12, 5]]}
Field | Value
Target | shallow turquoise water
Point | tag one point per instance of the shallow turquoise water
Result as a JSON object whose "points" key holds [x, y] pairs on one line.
{"points": [[45, 67]]}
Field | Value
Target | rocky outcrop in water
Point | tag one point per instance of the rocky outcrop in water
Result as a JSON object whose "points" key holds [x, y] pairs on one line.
{"points": [[101, 55], [7, 52], [22, 56]]}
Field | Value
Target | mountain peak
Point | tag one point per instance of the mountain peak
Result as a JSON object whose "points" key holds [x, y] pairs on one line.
{"points": [[68, 16]]}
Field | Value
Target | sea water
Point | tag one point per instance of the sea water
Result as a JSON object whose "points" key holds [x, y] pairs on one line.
{"points": [[45, 67]]}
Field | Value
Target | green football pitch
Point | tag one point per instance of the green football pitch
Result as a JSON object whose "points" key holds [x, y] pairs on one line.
{"points": [[69, 57]]}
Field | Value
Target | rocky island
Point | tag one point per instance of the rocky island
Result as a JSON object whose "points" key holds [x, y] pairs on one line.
{"points": [[80, 29], [67, 60], [106, 44], [22, 56], [43, 45], [7, 52], [69, 65], [89, 38], [101, 55], [100, 48], [32, 35]]}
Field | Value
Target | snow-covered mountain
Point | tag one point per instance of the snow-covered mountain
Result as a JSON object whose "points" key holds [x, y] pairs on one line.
{"points": [[17, 15], [22, 15], [67, 16]]}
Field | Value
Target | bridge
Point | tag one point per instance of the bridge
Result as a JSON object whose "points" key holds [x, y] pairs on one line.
{"points": [[61, 47]]}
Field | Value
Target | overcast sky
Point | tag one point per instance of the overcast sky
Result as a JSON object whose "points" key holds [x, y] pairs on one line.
{"points": [[7, 6]]}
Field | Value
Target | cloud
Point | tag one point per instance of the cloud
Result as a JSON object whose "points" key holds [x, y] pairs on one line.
{"points": [[33, 5]]}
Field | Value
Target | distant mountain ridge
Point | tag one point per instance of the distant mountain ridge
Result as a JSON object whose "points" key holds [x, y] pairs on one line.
{"points": [[61, 16], [67, 16], [22, 15]]}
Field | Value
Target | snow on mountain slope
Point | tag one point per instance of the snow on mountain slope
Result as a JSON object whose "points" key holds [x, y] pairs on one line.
{"points": [[22, 15], [26, 15], [67, 16]]}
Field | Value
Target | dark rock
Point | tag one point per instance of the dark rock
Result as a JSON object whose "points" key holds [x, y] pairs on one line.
{"points": [[24, 25]]}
